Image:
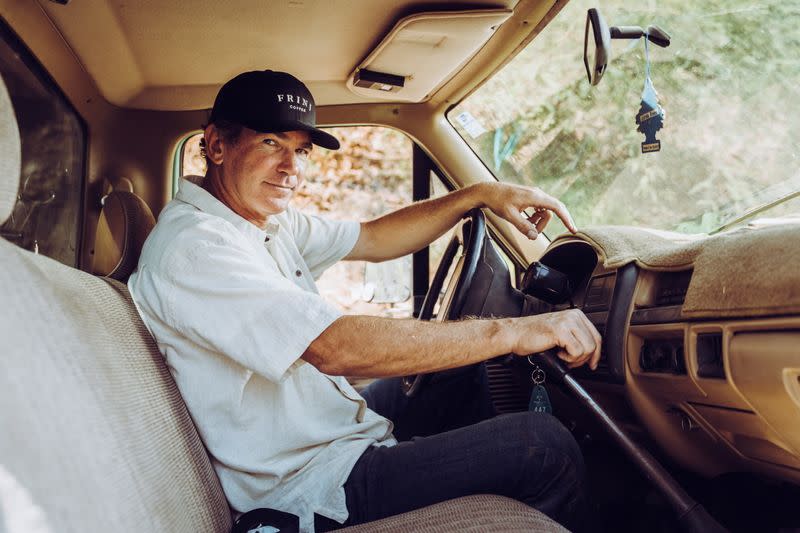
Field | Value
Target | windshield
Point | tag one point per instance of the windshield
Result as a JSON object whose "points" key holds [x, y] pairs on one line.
{"points": [[729, 84]]}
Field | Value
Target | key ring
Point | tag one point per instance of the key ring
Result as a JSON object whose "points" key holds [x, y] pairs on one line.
{"points": [[538, 376]]}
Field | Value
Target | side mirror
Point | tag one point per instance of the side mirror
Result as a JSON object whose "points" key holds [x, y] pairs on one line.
{"points": [[387, 282], [596, 46]]}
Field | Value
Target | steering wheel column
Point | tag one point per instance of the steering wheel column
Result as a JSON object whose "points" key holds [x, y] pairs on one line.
{"points": [[480, 285]]}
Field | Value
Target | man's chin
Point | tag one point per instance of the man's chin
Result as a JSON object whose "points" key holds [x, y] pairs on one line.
{"points": [[276, 207]]}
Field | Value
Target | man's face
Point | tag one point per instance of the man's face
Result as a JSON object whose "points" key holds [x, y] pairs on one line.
{"points": [[261, 171]]}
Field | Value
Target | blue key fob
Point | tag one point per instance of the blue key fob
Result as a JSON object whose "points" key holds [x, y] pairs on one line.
{"points": [[540, 400]]}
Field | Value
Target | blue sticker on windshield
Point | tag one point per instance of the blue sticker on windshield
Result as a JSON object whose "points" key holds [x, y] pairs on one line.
{"points": [[650, 117]]}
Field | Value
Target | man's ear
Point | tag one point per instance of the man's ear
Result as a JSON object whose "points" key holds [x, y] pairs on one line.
{"points": [[214, 145]]}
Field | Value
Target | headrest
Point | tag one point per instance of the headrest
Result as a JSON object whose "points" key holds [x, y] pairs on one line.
{"points": [[10, 154], [125, 222]]}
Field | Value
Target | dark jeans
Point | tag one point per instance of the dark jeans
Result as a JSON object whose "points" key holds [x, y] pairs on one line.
{"points": [[527, 456]]}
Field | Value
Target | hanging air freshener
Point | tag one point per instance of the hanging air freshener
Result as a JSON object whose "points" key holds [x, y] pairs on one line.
{"points": [[650, 117]]}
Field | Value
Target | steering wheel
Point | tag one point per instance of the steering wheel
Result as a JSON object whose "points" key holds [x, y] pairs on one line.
{"points": [[472, 238]]}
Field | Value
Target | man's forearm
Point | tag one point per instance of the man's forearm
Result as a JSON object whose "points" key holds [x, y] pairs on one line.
{"points": [[401, 347], [384, 347], [413, 227]]}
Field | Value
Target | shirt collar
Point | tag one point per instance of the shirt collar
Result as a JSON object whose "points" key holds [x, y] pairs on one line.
{"points": [[192, 192]]}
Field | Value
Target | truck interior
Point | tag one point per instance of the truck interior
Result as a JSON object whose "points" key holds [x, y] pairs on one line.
{"points": [[685, 259]]}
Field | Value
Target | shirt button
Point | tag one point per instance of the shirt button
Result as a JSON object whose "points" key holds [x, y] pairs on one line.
{"points": [[266, 239], [298, 273]]}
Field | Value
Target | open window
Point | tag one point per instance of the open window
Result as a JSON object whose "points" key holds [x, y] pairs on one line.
{"points": [[377, 170]]}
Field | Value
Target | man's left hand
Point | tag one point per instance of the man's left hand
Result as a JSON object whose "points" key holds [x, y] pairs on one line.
{"points": [[510, 201]]}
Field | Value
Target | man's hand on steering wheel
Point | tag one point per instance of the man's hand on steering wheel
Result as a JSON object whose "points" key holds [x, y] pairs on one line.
{"points": [[510, 201], [574, 337]]}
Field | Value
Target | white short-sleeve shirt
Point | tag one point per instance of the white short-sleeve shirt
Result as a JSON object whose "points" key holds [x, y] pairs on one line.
{"points": [[233, 307]]}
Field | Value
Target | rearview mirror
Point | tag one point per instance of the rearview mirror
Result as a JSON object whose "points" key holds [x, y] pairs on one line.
{"points": [[595, 46], [597, 42]]}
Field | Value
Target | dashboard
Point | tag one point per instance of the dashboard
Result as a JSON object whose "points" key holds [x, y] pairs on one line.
{"points": [[714, 382], [605, 297]]}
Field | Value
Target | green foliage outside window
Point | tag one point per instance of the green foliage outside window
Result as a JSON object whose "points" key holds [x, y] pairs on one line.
{"points": [[728, 83]]}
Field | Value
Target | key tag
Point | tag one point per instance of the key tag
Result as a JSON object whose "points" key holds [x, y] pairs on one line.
{"points": [[540, 400], [650, 117]]}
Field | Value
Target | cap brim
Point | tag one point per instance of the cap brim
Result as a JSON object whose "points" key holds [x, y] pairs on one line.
{"points": [[324, 139], [318, 136]]}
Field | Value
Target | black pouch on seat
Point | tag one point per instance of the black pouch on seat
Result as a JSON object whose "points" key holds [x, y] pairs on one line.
{"points": [[266, 521]]}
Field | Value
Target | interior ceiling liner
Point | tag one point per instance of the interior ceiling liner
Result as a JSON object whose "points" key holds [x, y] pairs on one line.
{"points": [[427, 49]]}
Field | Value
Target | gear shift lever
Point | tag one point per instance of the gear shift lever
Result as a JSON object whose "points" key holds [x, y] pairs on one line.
{"points": [[691, 515]]}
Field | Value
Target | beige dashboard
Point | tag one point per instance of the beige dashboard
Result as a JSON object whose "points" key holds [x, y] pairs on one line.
{"points": [[701, 336]]}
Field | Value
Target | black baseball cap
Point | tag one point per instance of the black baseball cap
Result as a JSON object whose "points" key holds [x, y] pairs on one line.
{"points": [[270, 102]]}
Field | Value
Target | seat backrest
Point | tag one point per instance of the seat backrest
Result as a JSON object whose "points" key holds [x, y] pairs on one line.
{"points": [[125, 222], [94, 434]]}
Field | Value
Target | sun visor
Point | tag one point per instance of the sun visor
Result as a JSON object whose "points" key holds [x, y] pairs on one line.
{"points": [[422, 52]]}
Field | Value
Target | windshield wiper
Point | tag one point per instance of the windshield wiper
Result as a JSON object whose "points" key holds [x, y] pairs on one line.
{"points": [[750, 213]]}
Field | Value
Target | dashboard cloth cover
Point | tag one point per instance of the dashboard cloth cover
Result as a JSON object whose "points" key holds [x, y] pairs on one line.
{"points": [[751, 271]]}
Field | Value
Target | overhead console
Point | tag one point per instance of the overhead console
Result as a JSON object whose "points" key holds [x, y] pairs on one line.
{"points": [[422, 52]]}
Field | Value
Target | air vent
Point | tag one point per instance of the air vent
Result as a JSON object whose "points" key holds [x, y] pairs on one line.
{"points": [[663, 356], [672, 287], [598, 295], [510, 390], [709, 356]]}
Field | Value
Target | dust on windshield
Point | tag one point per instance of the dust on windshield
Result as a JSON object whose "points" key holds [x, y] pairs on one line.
{"points": [[729, 84]]}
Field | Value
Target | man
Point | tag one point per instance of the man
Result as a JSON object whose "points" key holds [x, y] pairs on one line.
{"points": [[225, 284]]}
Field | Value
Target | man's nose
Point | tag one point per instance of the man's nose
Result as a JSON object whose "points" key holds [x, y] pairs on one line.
{"points": [[288, 163]]}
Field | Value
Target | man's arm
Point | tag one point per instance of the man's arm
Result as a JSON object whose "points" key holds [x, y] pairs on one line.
{"points": [[383, 347], [412, 228]]}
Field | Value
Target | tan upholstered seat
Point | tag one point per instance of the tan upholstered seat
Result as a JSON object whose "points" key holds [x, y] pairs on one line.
{"points": [[95, 435], [94, 428], [471, 514], [125, 222]]}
